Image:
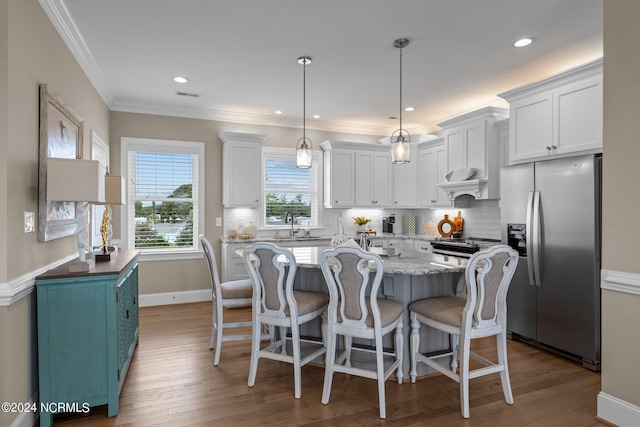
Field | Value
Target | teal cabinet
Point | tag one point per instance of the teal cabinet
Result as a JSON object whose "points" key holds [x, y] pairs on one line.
{"points": [[87, 333]]}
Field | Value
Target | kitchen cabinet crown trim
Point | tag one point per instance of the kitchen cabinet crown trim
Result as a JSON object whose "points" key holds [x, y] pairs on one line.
{"points": [[227, 137], [581, 72], [496, 113]]}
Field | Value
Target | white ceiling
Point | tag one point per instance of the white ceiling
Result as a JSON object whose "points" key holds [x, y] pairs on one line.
{"points": [[241, 56]]}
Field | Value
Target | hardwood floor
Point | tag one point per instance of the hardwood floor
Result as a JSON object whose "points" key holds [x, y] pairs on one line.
{"points": [[172, 382]]}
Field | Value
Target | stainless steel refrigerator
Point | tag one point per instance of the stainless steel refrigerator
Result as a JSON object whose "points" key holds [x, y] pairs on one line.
{"points": [[551, 215]]}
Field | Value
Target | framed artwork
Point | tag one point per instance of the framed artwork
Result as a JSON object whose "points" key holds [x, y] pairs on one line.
{"points": [[61, 131]]}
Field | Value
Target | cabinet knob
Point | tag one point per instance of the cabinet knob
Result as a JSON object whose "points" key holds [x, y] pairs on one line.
{"points": [[548, 148], [433, 201], [256, 200]]}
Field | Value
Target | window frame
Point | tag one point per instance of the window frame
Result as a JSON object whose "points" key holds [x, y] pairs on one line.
{"points": [[290, 154], [127, 145]]}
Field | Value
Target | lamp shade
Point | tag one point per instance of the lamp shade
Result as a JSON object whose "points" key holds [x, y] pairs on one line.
{"points": [[114, 190], [75, 180]]}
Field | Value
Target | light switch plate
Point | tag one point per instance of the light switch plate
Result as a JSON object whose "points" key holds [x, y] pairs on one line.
{"points": [[218, 222], [29, 222]]}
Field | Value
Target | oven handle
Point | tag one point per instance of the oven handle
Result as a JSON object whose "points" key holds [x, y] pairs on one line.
{"points": [[451, 253]]}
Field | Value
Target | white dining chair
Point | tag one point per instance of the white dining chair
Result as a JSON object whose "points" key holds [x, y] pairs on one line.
{"points": [[356, 311], [482, 313], [277, 305]]}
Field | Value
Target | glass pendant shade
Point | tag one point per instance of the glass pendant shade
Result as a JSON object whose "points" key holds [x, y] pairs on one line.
{"points": [[400, 149], [304, 153]]}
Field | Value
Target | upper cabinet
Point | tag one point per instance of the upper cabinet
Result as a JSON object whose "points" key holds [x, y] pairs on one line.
{"points": [[373, 177], [405, 182], [558, 116], [471, 142], [432, 165], [241, 169], [339, 174]]}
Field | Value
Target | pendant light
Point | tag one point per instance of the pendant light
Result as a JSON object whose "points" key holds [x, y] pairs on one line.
{"points": [[400, 138], [304, 147]]}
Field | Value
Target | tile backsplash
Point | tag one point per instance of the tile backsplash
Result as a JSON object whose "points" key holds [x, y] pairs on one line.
{"points": [[481, 219]]}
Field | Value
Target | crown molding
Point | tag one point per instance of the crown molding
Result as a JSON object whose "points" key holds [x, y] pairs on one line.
{"points": [[61, 19]]}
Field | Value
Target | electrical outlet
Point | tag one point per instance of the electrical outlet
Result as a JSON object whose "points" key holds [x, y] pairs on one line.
{"points": [[29, 222], [218, 222]]}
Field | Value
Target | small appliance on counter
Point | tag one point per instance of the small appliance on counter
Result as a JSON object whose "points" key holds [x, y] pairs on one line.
{"points": [[387, 223]]}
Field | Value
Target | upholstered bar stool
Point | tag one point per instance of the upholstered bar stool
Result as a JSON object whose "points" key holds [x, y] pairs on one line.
{"points": [[277, 304], [354, 314], [236, 293], [482, 313]]}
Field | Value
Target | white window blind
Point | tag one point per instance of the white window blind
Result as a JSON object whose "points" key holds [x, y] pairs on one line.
{"points": [[164, 196], [289, 189]]}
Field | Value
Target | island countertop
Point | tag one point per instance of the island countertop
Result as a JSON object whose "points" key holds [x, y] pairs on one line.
{"points": [[408, 262]]}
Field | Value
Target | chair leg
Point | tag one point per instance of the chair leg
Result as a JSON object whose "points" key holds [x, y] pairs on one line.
{"points": [[213, 325], [283, 340], [323, 330], [399, 350], [454, 343], [501, 340], [380, 377], [347, 349], [415, 347], [328, 366], [255, 347], [219, 329], [464, 375], [297, 374]]}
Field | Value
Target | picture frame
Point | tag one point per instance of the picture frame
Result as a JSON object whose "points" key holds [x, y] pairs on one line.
{"points": [[61, 132]]}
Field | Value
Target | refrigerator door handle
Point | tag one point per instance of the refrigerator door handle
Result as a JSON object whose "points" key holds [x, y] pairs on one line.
{"points": [[529, 238], [536, 237]]}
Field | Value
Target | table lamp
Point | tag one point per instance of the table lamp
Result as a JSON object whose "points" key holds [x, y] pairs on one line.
{"points": [[114, 195], [82, 182]]}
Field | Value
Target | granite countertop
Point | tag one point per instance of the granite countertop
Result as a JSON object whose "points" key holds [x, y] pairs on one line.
{"points": [[408, 262]]}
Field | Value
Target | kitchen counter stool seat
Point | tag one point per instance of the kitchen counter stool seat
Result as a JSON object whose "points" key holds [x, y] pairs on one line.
{"points": [[236, 293], [276, 305], [482, 313]]}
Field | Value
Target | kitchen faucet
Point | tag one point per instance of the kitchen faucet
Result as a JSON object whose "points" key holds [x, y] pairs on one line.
{"points": [[292, 232]]}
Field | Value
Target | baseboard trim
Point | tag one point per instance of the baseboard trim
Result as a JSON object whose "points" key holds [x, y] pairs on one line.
{"points": [[620, 281], [27, 418], [167, 298], [617, 411]]}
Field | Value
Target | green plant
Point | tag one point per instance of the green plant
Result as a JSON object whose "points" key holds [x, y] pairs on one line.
{"points": [[360, 220]]}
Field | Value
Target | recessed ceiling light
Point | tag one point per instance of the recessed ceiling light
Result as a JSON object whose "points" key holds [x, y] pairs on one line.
{"points": [[316, 116], [524, 42], [409, 109], [278, 112], [179, 79]]}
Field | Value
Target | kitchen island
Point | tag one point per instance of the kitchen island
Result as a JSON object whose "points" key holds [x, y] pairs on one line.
{"points": [[407, 277]]}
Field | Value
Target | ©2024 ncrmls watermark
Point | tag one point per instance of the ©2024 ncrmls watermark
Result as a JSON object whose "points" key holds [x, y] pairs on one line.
{"points": [[51, 407]]}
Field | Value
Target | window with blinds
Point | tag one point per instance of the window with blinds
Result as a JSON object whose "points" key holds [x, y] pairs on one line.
{"points": [[164, 196], [289, 189]]}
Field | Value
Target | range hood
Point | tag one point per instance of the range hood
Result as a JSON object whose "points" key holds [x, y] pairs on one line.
{"points": [[472, 187]]}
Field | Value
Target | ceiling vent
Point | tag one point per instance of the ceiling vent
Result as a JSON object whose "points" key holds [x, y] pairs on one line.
{"points": [[189, 94]]}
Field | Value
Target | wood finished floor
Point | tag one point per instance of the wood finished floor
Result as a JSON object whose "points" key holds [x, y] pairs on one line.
{"points": [[172, 382]]}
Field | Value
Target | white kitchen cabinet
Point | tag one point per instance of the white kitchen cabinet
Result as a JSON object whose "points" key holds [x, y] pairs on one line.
{"points": [[339, 175], [432, 168], [241, 169], [405, 183], [557, 117], [471, 141], [373, 179]]}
